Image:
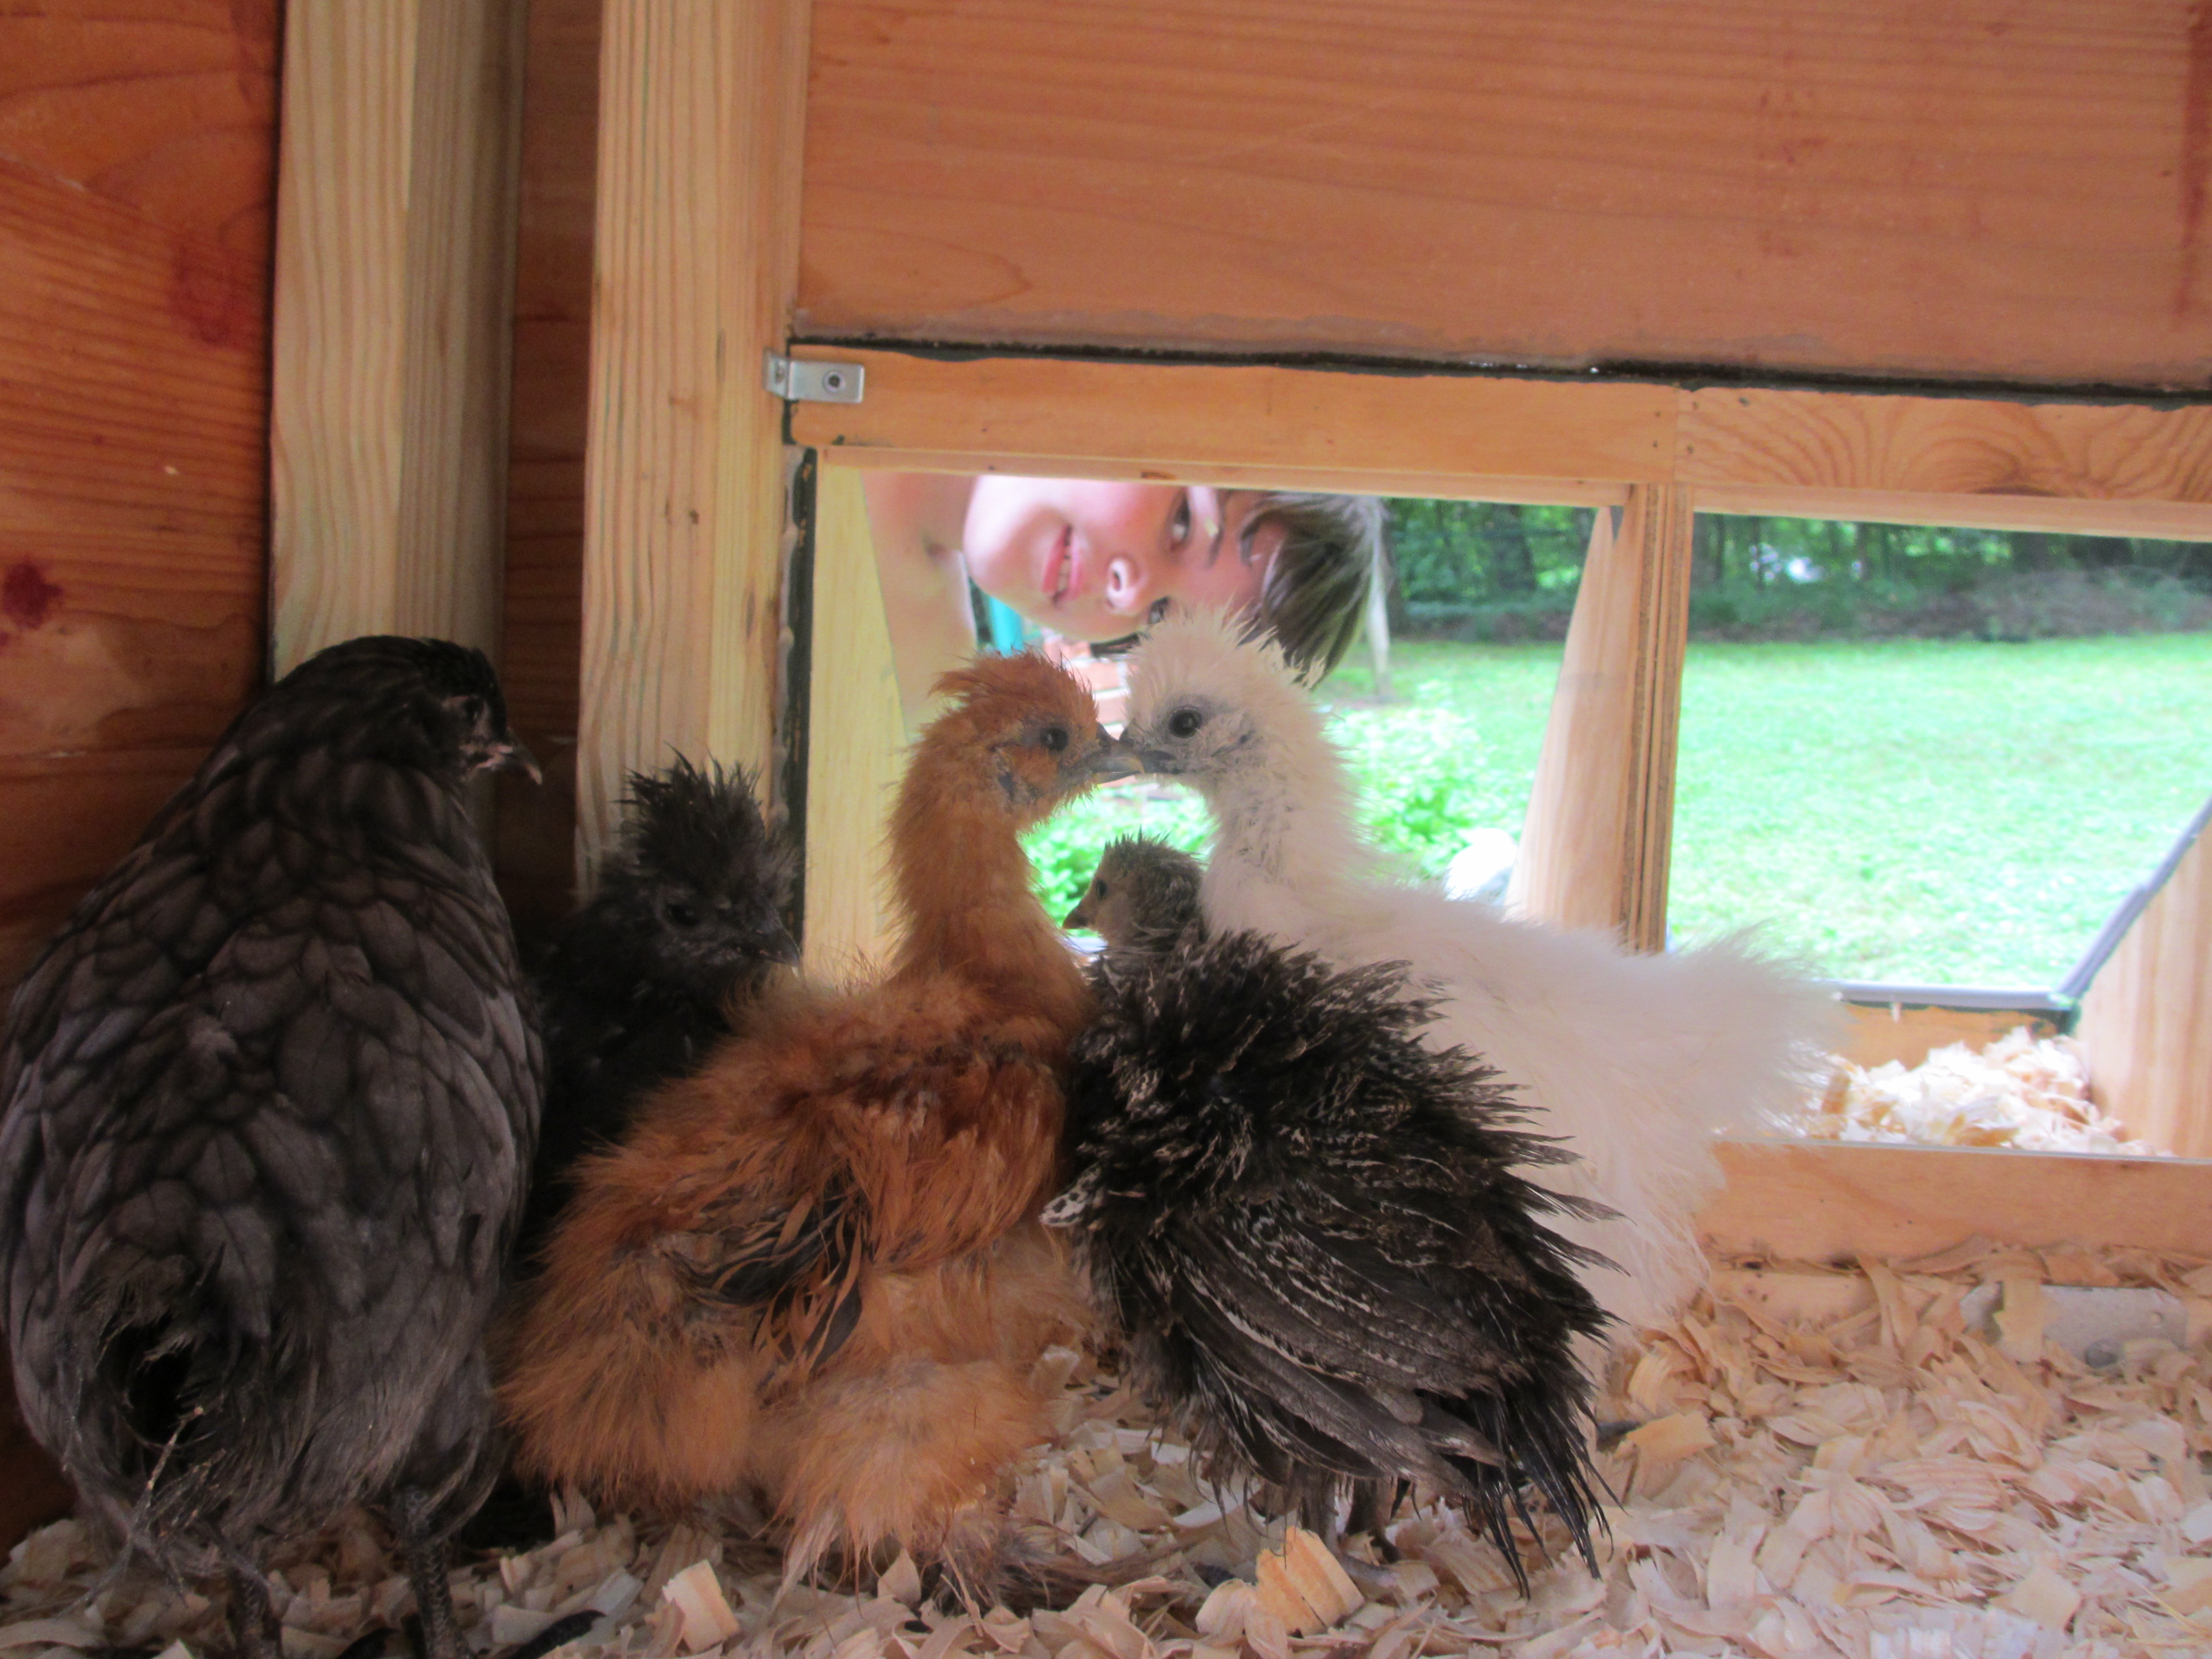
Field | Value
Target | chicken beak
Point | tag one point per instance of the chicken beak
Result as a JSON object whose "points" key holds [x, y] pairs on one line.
{"points": [[1079, 917], [780, 947], [1157, 760], [1115, 758], [511, 756]]}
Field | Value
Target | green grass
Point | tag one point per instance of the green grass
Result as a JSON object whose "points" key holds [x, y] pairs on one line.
{"points": [[1952, 811]]}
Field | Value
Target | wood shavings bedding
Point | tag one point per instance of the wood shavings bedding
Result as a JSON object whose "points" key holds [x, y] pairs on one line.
{"points": [[2018, 1091], [1898, 1462]]}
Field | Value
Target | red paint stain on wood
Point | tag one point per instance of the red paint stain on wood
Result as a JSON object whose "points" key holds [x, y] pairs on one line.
{"points": [[2196, 149], [26, 597]]}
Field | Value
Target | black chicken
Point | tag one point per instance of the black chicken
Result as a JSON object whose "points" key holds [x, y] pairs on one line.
{"points": [[268, 1104], [1306, 1227], [686, 923]]}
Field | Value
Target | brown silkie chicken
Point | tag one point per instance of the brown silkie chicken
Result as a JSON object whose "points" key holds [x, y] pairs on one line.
{"points": [[813, 1269]]}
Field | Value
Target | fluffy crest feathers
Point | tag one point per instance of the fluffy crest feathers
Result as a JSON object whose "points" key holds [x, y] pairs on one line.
{"points": [[1228, 715], [1005, 690], [703, 826]]}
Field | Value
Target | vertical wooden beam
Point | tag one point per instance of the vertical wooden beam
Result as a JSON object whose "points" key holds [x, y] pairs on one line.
{"points": [[1595, 846], [542, 649], [2146, 1024], [860, 736], [395, 248], [701, 127]]}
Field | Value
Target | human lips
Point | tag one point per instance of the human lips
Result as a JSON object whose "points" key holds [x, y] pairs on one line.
{"points": [[1060, 570]]}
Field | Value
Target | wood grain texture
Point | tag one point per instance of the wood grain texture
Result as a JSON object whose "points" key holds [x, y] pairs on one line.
{"points": [[1595, 844], [541, 654], [696, 260], [394, 283], [2008, 189], [1170, 419], [1946, 446], [859, 750], [2085, 469], [1805, 1202], [137, 148], [2146, 1024], [133, 408]]}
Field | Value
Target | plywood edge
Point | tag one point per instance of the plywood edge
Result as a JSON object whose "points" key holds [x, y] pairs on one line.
{"points": [[1357, 480], [1177, 416], [1805, 1202], [1881, 457]]}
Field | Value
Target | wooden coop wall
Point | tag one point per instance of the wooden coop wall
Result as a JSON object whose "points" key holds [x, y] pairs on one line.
{"points": [[1988, 191]]}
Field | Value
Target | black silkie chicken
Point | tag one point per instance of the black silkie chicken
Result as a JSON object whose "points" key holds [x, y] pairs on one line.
{"points": [[1307, 1228], [269, 1102], [685, 923]]}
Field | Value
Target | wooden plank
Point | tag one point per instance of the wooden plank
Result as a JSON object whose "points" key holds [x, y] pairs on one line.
{"points": [[394, 285], [696, 260], [2146, 1024], [541, 654], [1950, 447], [1035, 414], [1805, 1202], [1356, 481], [1987, 189], [1909, 1035], [854, 764], [1595, 845], [2082, 469], [133, 410]]}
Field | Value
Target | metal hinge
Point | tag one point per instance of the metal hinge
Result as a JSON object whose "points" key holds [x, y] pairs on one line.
{"points": [[814, 383]]}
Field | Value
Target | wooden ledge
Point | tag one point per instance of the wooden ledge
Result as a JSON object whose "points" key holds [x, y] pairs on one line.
{"points": [[1824, 1201]]}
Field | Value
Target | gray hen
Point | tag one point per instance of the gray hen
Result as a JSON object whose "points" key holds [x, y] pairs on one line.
{"points": [[268, 1104]]}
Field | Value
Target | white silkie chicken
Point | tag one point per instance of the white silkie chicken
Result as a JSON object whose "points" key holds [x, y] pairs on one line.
{"points": [[1636, 1061]]}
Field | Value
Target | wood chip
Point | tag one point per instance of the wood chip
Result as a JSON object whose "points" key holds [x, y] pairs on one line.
{"points": [[1890, 1462], [696, 1593]]}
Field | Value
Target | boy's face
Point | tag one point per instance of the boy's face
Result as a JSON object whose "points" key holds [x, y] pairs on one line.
{"points": [[1098, 560]]}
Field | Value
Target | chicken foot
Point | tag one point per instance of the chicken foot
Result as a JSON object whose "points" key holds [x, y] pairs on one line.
{"points": [[425, 1552], [253, 1621]]}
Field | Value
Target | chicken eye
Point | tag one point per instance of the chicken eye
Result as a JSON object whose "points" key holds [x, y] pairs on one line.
{"points": [[1156, 613], [1098, 886], [1185, 722], [680, 915], [1054, 738]]}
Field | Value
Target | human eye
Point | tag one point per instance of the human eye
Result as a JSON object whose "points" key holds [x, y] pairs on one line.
{"points": [[1179, 522]]}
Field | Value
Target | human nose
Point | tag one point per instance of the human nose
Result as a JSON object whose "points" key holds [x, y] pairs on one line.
{"points": [[1128, 584]]}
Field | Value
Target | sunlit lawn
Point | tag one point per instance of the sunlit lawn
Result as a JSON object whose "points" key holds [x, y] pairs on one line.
{"points": [[1942, 811]]}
